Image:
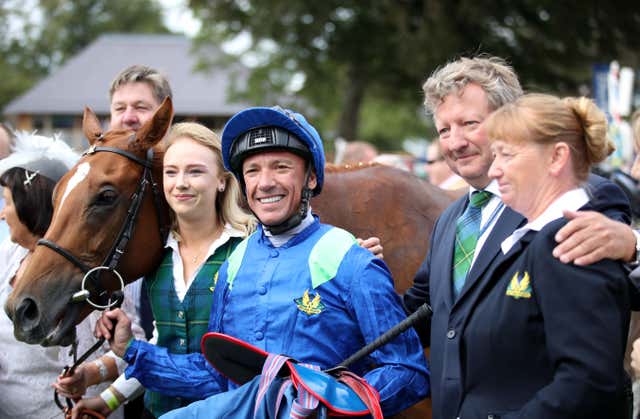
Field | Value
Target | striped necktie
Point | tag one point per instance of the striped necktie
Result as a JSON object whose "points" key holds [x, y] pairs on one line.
{"points": [[467, 229]]}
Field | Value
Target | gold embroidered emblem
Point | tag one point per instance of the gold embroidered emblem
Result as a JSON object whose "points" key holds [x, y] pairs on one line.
{"points": [[519, 288], [308, 305]]}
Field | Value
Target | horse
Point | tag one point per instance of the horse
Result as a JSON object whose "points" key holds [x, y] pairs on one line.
{"points": [[104, 221], [371, 199], [94, 221]]}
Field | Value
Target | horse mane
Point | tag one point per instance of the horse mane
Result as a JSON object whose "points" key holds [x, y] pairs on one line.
{"points": [[348, 167]]}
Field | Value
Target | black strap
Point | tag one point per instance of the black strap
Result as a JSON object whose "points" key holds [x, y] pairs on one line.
{"points": [[126, 231], [51, 245], [145, 163]]}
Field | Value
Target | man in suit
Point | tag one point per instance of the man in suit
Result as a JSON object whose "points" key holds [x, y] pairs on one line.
{"points": [[461, 95]]}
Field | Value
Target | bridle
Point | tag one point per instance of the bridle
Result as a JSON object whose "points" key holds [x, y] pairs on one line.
{"points": [[126, 231]]}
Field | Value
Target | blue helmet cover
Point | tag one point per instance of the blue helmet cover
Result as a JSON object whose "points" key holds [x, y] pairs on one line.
{"points": [[276, 116]]}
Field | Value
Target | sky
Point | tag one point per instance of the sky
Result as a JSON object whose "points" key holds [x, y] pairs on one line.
{"points": [[178, 17]]}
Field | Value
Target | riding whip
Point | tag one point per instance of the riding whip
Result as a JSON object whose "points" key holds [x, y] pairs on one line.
{"points": [[421, 314]]}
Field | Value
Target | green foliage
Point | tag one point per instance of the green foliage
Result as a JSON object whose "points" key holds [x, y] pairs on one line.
{"points": [[365, 53], [387, 124], [66, 27], [71, 25]]}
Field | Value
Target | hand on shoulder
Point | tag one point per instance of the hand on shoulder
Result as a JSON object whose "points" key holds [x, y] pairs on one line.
{"points": [[590, 237], [373, 245]]}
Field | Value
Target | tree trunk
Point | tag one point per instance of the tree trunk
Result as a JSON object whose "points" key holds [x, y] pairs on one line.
{"points": [[354, 94]]}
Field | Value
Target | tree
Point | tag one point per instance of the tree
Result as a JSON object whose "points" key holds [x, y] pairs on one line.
{"points": [[65, 27], [350, 52]]}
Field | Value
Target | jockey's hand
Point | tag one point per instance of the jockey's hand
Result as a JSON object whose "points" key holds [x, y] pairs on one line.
{"points": [[115, 327], [73, 386], [590, 237], [93, 403], [373, 245]]}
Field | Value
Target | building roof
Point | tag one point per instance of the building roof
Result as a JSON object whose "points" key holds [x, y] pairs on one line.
{"points": [[84, 79]]}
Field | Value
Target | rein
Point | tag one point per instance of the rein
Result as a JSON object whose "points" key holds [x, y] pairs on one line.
{"points": [[67, 371]]}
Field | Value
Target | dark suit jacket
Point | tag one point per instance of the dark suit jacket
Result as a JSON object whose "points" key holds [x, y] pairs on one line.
{"points": [[450, 372]]}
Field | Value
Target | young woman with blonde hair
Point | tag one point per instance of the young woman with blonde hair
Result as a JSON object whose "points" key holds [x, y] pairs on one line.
{"points": [[207, 224]]}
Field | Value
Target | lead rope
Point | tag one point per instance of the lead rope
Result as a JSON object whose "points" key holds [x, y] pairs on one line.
{"points": [[70, 370]]}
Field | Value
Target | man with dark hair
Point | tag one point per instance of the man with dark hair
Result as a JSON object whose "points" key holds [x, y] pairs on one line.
{"points": [[135, 94]]}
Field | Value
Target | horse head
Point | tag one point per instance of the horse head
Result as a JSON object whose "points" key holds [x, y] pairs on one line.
{"points": [[109, 222]]}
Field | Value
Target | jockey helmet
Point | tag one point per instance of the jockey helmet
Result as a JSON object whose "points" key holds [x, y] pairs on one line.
{"points": [[258, 129]]}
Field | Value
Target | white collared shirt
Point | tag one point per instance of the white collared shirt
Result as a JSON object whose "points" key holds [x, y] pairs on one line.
{"points": [[571, 200], [494, 205], [178, 277]]}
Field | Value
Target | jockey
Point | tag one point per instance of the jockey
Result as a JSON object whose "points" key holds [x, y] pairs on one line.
{"points": [[295, 286], [236, 147]]}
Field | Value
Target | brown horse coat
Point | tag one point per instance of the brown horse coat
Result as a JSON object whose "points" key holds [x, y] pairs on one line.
{"points": [[381, 201]]}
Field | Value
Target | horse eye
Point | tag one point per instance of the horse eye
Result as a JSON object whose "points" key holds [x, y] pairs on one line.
{"points": [[106, 197]]}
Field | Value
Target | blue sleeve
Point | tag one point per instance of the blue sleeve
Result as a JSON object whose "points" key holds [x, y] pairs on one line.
{"points": [[178, 375], [586, 318], [401, 376]]}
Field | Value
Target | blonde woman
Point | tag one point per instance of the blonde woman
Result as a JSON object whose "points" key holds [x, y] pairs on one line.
{"points": [[208, 223]]}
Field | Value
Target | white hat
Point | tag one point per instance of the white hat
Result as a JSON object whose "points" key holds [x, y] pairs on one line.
{"points": [[48, 156]]}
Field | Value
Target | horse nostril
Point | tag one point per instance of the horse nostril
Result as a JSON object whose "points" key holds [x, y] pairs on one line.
{"points": [[27, 314]]}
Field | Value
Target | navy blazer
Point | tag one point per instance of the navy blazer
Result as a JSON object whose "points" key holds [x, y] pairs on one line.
{"points": [[449, 369]]}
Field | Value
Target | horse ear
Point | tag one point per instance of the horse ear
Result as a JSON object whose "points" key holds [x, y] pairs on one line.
{"points": [[156, 128], [91, 126]]}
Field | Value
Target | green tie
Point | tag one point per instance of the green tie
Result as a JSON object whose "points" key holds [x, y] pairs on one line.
{"points": [[467, 229]]}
